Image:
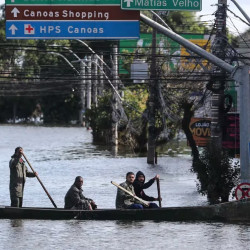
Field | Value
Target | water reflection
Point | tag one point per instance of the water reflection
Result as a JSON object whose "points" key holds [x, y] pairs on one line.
{"points": [[129, 224], [16, 223]]}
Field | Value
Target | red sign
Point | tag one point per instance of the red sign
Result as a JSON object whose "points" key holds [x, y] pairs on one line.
{"points": [[231, 132], [242, 191], [52, 12]]}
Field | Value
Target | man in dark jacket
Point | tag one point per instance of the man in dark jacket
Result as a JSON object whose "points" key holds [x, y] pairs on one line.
{"points": [[74, 198], [18, 174], [139, 184]]}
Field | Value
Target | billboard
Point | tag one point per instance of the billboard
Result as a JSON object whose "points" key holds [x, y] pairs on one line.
{"points": [[165, 46]]}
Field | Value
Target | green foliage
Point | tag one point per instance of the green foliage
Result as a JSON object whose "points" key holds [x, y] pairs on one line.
{"points": [[184, 22], [99, 118], [29, 61], [8, 57], [56, 109], [20, 107], [136, 97], [60, 109], [217, 173]]}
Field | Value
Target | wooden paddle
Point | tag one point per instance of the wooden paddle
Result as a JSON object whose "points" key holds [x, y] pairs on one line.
{"points": [[134, 196], [159, 191], [40, 181]]}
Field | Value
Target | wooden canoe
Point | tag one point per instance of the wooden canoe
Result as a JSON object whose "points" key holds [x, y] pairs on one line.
{"points": [[230, 211]]}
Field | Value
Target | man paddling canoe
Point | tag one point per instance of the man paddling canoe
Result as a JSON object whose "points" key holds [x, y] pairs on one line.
{"points": [[18, 174], [139, 184]]}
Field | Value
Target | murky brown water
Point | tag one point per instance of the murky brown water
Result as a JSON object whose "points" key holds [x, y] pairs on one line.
{"points": [[59, 154]]}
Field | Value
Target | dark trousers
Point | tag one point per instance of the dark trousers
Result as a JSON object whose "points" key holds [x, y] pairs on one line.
{"points": [[153, 205], [16, 201], [135, 206]]}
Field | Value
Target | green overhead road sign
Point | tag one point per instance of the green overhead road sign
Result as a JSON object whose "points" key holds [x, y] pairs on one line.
{"points": [[63, 2], [191, 5]]}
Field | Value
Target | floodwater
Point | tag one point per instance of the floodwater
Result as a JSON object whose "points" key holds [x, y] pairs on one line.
{"points": [[59, 154]]}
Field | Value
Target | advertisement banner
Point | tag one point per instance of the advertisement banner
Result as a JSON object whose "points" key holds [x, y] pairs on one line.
{"points": [[201, 130]]}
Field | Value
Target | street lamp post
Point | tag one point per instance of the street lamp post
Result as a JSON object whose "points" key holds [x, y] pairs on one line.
{"points": [[95, 74], [66, 60], [101, 81], [82, 94], [114, 102], [88, 82]]}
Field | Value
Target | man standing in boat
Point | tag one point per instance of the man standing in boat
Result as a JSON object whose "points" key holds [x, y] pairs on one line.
{"points": [[74, 198], [18, 174], [124, 200], [139, 184]]}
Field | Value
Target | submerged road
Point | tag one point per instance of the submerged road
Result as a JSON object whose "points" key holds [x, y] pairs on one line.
{"points": [[59, 154]]}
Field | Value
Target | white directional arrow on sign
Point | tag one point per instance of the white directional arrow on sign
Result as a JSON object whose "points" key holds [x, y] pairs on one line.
{"points": [[128, 2], [15, 11], [13, 29]]}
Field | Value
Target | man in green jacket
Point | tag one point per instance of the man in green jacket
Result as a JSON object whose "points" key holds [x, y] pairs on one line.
{"points": [[18, 174], [124, 200]]}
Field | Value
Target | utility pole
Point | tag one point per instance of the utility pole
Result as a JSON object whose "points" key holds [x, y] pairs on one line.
{"points": [[244, 82], [239, 74], [218, 80], [152, 101], [114, 99], [95, 82], [101, 80], [88, 81]]}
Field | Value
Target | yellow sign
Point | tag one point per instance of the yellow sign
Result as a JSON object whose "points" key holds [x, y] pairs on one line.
{"points": [[192, 61]]}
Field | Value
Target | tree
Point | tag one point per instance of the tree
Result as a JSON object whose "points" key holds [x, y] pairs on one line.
{"points": [[217, 171], [47, 79], [185, 21], [100, 119]]}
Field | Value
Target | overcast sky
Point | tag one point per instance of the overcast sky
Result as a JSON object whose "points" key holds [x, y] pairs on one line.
{"points": [[208, 8]]}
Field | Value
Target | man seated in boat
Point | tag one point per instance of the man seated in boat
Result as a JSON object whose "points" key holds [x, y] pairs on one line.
{"points": [[74, 198], [139, 184], [124, 200]]}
